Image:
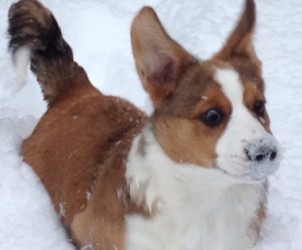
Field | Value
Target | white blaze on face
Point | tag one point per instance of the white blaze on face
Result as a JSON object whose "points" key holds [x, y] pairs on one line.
{"points": [[242, 130]]}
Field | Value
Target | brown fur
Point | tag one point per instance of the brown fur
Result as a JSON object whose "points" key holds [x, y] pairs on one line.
{"points": [[80, 146], [88, 134], [73, 161]]}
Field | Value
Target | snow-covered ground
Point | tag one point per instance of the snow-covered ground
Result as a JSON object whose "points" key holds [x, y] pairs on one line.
{"points": [[98, 31]]}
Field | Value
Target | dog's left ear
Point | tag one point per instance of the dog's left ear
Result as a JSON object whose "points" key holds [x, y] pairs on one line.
{"points": [[160, 60], [240, 42]]}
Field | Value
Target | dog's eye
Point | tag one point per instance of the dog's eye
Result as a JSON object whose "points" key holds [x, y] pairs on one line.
{"points": [[212, 117], [259, 108]]}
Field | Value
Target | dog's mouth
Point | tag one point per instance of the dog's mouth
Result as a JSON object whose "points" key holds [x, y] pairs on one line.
{"points": [[258, 160], [248, 171]]}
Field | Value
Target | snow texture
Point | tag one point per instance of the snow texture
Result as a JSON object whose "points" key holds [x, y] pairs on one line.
{"points": [[98, 31]]}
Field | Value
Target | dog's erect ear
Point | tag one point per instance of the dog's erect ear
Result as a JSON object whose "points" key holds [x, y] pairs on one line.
{"points": [[159, 59], [240, 42]]}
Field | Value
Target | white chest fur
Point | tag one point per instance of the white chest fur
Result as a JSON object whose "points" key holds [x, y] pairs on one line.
{"points": [[194, 208]]}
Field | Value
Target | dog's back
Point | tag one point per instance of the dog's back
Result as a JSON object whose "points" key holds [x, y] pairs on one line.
{"points": [[88, 136]]}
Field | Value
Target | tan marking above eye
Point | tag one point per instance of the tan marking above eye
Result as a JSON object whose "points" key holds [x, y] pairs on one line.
{"points": [[252, 95], [213, 98]]}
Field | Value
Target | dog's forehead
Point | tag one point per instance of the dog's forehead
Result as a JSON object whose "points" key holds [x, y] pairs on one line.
{"points": [[217, 82], [207, 74], [192, 88], [230, 83], [232, 78], [212, 77]]}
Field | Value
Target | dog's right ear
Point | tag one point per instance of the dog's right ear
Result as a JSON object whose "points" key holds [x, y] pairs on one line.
{"points": [[159, 59], [240, 42]]}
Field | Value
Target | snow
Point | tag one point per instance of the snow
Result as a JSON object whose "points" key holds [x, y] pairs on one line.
{"points": [[99, 33]]}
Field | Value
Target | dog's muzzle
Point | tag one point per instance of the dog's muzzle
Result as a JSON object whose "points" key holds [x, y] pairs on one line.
{"points": [[255, 161]]}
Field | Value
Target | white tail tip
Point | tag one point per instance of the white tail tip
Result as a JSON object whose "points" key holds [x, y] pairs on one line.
{"points": [[22, 61]]}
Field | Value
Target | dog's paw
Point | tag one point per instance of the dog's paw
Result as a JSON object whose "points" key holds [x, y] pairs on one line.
{"points": [[31, 25]]}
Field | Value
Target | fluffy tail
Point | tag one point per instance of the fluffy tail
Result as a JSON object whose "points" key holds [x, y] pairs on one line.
{"points": [[36, 36]]}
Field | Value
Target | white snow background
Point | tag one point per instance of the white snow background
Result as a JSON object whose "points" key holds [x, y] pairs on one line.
{"points": [[98, 32]]}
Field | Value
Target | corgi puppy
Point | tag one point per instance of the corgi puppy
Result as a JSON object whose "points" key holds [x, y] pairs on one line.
{"points": [[192, 176]]}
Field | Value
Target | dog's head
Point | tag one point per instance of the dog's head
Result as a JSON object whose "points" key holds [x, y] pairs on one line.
{"points": [[209, 113]]}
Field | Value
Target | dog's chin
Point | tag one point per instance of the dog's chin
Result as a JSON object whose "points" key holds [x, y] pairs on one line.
{"points": [[248, 172]]}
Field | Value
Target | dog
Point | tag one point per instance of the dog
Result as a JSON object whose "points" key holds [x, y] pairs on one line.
{"points": [[193, 175]]}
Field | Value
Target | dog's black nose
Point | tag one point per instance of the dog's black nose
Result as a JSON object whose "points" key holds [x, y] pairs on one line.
{"points": [[261, 150]]}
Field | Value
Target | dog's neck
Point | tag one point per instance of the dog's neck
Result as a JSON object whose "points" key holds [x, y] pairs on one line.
{"points": [[201, 200]]}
